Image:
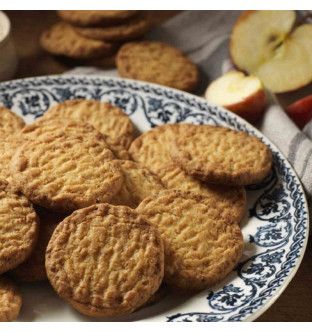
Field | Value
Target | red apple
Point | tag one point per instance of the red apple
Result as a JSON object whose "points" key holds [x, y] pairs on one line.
{"points": [[301, 111], [241, 94]]}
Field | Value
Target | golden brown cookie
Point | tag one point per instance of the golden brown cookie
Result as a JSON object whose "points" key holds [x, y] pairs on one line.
{"points": [[10, 300], [61, 39], [158, 63], [229, 201], [129, 30], [10, 123], [105, 260], [18, 228], [138, 184], [65, 171], [106, 118], [200, 250], [95, 17], [46, 126], [150, 149], [220, 155], [33, 269]]}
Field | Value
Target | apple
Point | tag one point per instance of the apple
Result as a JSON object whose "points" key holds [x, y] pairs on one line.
{"points": [[267, 44], [301, 111], [241, 94]]}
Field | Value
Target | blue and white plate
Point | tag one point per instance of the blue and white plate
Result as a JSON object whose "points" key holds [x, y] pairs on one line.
{"points": [[275, 228]]}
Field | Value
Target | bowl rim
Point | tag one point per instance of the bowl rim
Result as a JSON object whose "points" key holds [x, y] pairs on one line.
{"points": [[6, 24]]}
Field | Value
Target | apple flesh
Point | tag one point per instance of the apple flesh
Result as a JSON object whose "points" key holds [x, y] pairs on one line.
{"points": [[241, 94], [266, 44], [301, 111]]}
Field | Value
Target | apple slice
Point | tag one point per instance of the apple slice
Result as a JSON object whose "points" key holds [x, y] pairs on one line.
{"points": [[243, 95], [301, 111], [265, 43]]}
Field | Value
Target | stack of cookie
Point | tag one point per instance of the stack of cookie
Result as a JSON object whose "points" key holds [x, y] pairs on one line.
{"points": [[120, 215], [93, 36]]}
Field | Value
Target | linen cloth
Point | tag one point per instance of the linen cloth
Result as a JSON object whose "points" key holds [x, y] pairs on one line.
{"points": [[204, 37]]}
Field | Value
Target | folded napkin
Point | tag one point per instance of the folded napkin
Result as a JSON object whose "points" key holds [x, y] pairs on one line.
{"points": [[204, 36]]}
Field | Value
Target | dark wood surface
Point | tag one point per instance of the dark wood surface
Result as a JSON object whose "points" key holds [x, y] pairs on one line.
{"points": [[295, 304]]}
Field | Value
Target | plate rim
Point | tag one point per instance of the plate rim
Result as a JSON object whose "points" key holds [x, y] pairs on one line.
{"points": [[292, 273]]}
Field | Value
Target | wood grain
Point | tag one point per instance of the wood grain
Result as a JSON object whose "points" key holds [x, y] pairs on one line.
{"points": [[296, 301]]}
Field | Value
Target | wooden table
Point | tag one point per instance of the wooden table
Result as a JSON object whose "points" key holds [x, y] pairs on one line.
{"points": [[295, 304]]}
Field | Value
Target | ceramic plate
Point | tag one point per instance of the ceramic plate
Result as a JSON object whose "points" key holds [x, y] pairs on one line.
{"points": [[275, 228]]}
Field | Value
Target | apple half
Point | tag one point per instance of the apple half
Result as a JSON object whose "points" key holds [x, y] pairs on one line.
{"points": [[301, 111], [268, 45], [241, 94]]}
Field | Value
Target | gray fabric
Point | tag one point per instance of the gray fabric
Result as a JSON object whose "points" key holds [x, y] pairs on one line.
{"points": [[204, 37]]}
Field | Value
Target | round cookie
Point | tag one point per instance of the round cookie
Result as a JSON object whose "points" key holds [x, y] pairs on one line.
{"points": [[157, 62], [109, 120], [95, 17], [220, 155], [138, 184], [105, 260], [65, 171], [10, 300], [33, 269], [61, 39], [10, 123], [200, 250], [131, 29], [230, 201], [18, 228], [150, 149]]}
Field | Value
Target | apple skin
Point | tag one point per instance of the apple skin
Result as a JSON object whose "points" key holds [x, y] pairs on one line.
{"points": [[251, 108], [301, 111]]}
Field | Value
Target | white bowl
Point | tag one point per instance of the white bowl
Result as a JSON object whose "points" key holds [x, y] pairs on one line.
{"points": [[8, 56]]}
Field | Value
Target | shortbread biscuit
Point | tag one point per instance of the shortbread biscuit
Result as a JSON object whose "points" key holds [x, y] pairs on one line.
{"points": [[220, 155], [158, 63], [150, 149], [229, 201], [52, 126], [129, 30], [105, 260], [95, 17], [61, 39], [64, 171], [200, 250], [139, 183], [18, 228], [10, 300], [106, 118], [33, 269], [10, 123]]}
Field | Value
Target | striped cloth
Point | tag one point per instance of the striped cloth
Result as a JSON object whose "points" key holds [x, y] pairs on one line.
{"points": [[203, 36]]}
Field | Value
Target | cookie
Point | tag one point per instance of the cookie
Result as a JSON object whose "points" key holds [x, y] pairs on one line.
{"points": [[129, 30], [33, 269], [95, 17], [200, 250], [229, 201], [10, 300], [65, 171], [138, 184], [150, 149], [157, 62], [220, 155], [8, 146], [18, 228], [106, 118], [105, 260], [46, 126], [10, 123], [61, 39]]}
